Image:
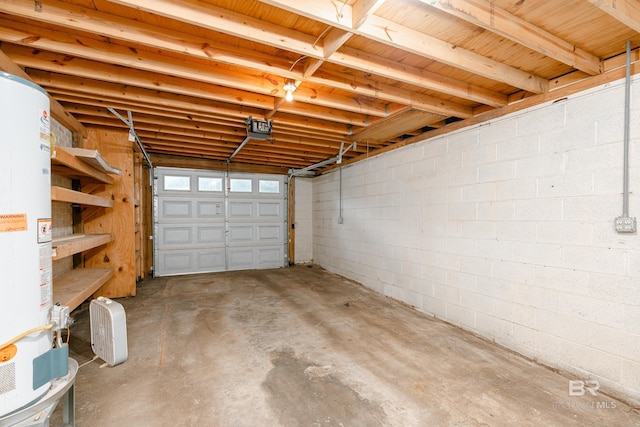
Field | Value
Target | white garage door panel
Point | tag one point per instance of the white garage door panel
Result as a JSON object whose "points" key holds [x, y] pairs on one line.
{"points": [[176, 209], [249, 258], [270, 233], [199, 228], [271, 210], [211, 235], [188, 261], [172, 236], [210, 209], [240, 210]]}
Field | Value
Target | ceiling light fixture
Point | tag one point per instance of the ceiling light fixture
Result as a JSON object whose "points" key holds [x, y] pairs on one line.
{"points": [[289, 87]]}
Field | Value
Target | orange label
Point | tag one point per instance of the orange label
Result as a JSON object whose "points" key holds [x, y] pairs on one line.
{"points": [[8, 352], [13, 222]]}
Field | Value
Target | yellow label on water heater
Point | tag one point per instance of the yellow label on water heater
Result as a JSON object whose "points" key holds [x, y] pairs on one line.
{"points": [[13, 222]]}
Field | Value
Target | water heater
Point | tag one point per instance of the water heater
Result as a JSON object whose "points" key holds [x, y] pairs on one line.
{"points": [[25, 241]]}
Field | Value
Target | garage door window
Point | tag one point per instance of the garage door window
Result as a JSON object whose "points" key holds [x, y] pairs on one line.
{"points": [[209, 184], [269, 186], [240, 185], [177, 183]]}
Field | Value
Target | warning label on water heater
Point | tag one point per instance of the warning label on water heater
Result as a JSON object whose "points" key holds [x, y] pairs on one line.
{"points": [[45, 230], [13, 222]]}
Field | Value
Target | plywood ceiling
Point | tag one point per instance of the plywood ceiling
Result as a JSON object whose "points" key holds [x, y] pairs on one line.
{"points": [[380, 73]]}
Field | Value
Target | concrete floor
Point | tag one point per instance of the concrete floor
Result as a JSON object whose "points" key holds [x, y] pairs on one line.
{"points": [[303, 347]]}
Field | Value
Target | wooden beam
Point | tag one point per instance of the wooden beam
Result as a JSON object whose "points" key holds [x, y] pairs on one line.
{"points": [[56, 110], [303, 44], [198, 163], [625, 11], [487, 15], [42, 38], [421, 44], [401, 37], [84, 19], [80, 67], [115, 27], [362, 9]]}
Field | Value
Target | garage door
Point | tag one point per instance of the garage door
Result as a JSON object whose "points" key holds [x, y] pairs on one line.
{"points": [[206, 223]]}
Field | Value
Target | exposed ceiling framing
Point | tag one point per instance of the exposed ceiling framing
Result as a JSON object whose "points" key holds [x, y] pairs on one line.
{"points": [[380, 73]]}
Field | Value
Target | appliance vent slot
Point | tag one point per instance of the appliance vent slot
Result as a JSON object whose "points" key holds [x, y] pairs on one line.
{"points": [[7, 378], [108, 330]]}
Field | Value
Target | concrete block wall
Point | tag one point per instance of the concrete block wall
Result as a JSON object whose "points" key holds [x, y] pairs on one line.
{"points": [[506, 229], [303, 220], [61, 213]]}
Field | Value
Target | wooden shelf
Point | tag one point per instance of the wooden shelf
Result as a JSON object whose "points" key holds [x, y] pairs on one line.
{"points": [[76, 286], [69, 245], [59, 194], [64, 162]]}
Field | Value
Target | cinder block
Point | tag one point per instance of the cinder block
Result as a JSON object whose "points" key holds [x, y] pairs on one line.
{"points": [[516, 272], [446, 294], [500, 171], [479, 154], [537, 297], [630, 375], [460, 280], [516, 313], [608, 181], [496, 211], [462, 246], [495, 288], [497, 130], [594, 259], [521, 147], [434, 147], [493, 327], [571, 137], [610, 127], [462, 176], [538, 210], [474, 229], [593, 310], [461, 316], [565, 327], [562, 232], [542, 165], [476, 302], [537, 253], [596, 362], [615, 341], [434, 307], [633, 265], [517, 189], [593, 104], [516, 231], [553, 116], [476, 265], [624, 290], [496, 250], [462, 212], [479, 192], [594, 158], [568, 185], [592, 209]]}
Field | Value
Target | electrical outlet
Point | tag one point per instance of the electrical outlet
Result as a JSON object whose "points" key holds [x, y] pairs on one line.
{"points": [[625, 224]]}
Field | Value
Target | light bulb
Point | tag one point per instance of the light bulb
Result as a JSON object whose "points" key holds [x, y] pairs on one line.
{"points": [[289, 96]]}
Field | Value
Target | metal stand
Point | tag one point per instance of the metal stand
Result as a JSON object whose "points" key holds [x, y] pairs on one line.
{"points": [[38, 414]]}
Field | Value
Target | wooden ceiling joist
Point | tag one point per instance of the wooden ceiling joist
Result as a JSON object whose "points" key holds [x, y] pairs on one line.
{"points": [[487, 15], [378, 72], [57, 111]]}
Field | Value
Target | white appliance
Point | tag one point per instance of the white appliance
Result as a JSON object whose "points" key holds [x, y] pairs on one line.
{"points": [[25, 240], [108, 330]]}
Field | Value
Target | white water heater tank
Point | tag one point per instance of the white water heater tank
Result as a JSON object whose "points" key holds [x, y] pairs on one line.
{"points": [[25, 238]]}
